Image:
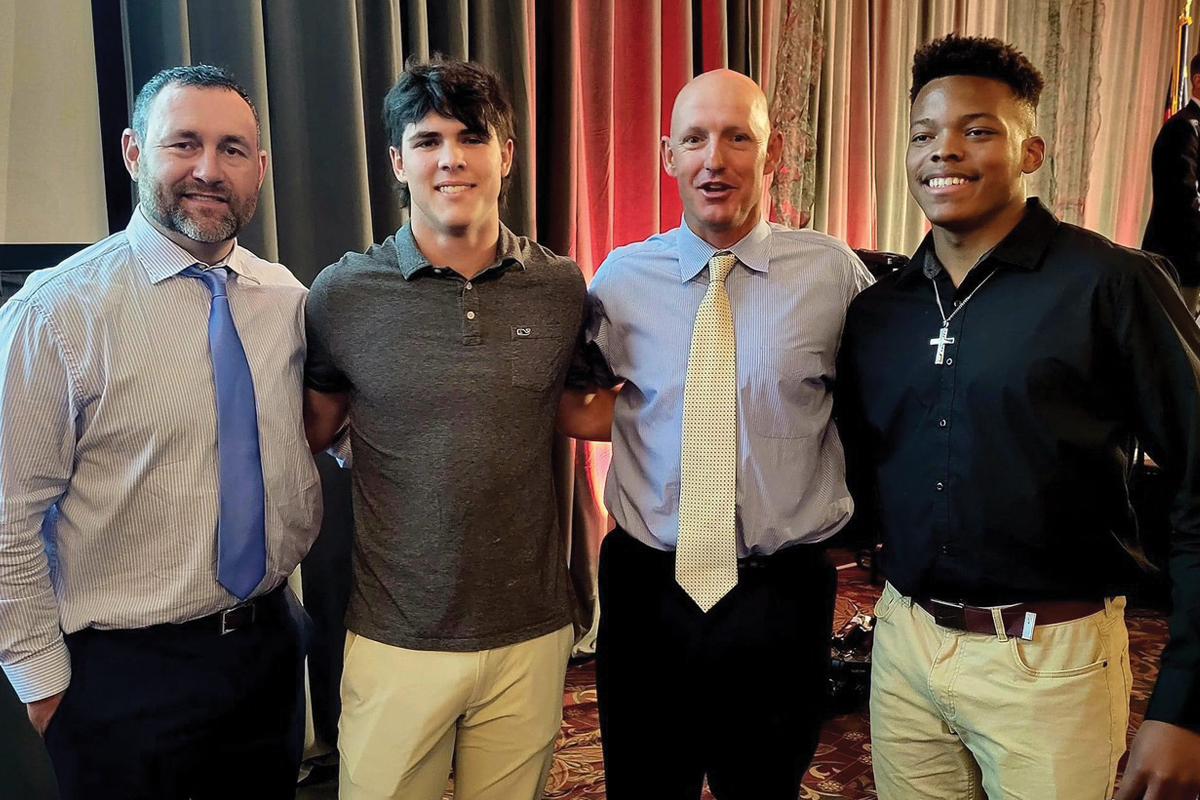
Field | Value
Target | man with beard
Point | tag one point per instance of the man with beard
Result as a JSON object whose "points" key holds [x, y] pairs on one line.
{"points": [[157, 488]]}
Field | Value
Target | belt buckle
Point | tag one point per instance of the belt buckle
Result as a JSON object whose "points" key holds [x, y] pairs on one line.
{"points": [[949, 615], [231, 618]]}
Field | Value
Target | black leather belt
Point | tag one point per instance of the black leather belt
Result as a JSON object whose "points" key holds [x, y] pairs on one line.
{"points": [[243, 615]]}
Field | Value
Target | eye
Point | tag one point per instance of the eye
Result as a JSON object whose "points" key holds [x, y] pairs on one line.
{"points": [[237, 152], [975, 133], [741, 137], [475, 140], [691, 138], [423, 143], [920, 138], [182, 145]]}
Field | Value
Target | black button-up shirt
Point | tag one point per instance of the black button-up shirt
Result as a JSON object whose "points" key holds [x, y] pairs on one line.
{"points": [[999, 475]]}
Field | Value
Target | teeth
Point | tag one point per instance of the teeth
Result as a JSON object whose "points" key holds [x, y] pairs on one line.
{"points": [[940, 183], [452, 189]]}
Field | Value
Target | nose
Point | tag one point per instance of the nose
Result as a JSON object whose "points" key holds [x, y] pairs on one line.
{"points": [[451, 155], [948, 148], [207, 166], [714, 156]]}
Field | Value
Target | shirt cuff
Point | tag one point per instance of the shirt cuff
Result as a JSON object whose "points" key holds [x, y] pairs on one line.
{"points": [[340, 449], [1176, 698], [41, 676]]}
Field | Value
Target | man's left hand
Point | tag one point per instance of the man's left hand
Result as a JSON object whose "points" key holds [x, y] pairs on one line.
{"points": [[1164, 764]]}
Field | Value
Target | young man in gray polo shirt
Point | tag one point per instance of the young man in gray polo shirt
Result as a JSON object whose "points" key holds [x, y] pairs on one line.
{"points": [[446, 348]]}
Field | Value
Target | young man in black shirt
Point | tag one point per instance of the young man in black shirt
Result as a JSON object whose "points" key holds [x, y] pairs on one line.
{"points": [[988, 393]]}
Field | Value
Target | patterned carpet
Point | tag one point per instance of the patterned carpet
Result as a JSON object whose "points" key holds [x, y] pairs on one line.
{"points": [[842, 766]]}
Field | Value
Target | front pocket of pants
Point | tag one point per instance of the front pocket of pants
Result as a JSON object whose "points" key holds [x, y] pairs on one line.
{"points": [[1052, 660]]}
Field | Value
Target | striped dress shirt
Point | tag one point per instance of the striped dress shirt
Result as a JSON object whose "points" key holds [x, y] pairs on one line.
{"points": [[789, 295], [108, 471]]}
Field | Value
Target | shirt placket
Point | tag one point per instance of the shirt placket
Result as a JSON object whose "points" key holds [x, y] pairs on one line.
{"points": [[944, 485]]}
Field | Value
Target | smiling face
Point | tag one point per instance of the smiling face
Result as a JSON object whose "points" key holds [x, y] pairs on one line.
{"points": [[453, 174], [198, 168], [720, 150], [970, 145]]}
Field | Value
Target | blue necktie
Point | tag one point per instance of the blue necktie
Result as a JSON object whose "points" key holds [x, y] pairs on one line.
{"points": [[241, 528]]}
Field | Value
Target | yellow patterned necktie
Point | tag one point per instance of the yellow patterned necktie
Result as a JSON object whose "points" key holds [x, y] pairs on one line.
{"points": [[706, 555]]}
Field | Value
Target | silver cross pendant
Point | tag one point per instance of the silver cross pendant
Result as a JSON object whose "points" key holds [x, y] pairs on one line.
{"points": [[943, 338]]}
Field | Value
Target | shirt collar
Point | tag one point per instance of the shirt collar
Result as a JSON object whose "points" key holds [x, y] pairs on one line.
{"points": [[412, 260], [1023, 247], [162, 258], [753, 250]]}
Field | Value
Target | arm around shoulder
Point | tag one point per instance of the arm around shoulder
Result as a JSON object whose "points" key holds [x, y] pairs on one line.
{"points": [[586, 414], [324, 417]]}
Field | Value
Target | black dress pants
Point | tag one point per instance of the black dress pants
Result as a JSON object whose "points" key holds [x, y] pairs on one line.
{"points": [[173, 712], [737, 694]]}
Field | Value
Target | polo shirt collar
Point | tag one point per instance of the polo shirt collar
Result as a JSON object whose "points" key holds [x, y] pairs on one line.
{"points": [[411, 260], [1023, 248], [753, 250], [161, 258]]}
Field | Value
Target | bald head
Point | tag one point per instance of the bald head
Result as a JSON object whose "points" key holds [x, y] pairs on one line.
{"points": [[720, 149], [723, 87]]}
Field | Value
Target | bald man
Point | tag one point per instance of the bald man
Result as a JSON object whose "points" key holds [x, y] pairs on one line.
{"points": [[726, 476]]}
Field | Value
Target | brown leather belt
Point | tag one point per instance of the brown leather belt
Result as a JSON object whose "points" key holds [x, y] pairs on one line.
{"points": [[1019, 620]]}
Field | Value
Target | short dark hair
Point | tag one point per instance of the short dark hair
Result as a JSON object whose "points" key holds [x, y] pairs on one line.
{"points": [[461, 90], [1194, 66], [204, 76], [979, 57]]}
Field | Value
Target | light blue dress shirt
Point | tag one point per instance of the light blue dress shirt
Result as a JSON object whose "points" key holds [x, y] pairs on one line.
{"points": [[108, 444], [789, 296]]}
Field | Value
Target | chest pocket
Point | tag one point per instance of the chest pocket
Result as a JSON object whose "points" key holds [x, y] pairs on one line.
{"points": [[788, 394], [536, 352]]}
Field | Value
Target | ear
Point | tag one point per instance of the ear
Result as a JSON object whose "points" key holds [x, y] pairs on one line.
{"points": [[506, 158], [774, 151], [397, 159], [668, 157], [262, 167], [1033, 154], [131, 151]]}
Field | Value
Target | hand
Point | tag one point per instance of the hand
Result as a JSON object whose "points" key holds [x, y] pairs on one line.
{"points": [[1164, 764], [41, 711]]}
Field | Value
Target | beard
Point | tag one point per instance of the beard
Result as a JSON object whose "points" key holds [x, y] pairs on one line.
{"points": [[165, 205]]}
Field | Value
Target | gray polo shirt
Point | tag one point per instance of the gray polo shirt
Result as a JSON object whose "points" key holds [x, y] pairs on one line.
{"points": [[453, 388]]}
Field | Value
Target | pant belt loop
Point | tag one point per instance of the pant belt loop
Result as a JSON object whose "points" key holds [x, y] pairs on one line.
{"points": [[998, 621]]}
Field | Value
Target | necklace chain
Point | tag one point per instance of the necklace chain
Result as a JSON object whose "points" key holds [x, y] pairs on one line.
{"points": [[942, 311]]}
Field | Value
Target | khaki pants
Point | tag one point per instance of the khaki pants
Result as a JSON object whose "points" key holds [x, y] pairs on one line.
{"points": [[956, 715], [408, 715]]}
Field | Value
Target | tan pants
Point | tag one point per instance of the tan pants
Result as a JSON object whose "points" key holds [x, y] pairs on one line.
{"points": [[408, 715], [956, 715]]}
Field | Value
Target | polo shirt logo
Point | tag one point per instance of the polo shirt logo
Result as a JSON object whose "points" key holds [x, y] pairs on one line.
{"points": [[524, 331]]}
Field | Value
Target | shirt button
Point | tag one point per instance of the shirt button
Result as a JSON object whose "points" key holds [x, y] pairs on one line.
{"points": [[940, 486], [468, 286], [470, 315], [956, 303], [949, 361], [946, 549], [941, 423]]}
